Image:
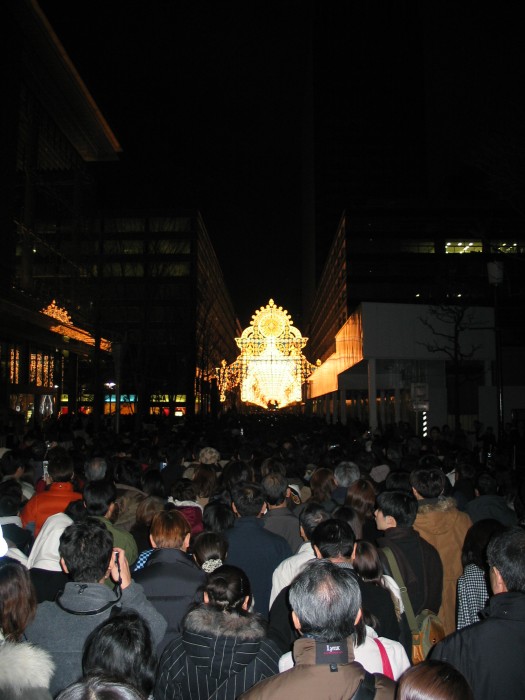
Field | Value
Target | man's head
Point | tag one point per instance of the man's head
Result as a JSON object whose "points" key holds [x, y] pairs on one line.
{"points": [[60, 465], [95, 469], [11, 465], [346, 473], [428, 483], [506, 558], [395, 509], [311, 516], [275, 488], [99, 497], [10, 497], [85, 551], [486, 485], [247, 499], [333, 539], [326, 601], [170, 529]]}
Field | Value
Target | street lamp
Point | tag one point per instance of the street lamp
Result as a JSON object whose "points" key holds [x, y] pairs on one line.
{"points": [[111, 386]]}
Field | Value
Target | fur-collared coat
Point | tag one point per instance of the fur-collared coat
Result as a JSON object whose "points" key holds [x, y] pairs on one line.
{"points": [[218, 656], [439, 522], [25, 671]]}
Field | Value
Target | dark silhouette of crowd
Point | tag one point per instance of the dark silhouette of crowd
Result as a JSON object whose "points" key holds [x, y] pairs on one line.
{"points": [[259, 555]]}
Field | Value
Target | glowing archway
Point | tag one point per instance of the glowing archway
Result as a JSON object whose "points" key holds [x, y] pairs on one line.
{"points": [[271, 367]]}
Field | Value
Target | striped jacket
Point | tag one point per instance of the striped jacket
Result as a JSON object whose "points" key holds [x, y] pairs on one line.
{"points": [[218, 656]]}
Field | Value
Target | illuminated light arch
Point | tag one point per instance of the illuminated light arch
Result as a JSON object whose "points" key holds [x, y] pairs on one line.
{"points": [[271, 367]]}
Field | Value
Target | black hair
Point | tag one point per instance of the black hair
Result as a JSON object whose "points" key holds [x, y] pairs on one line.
{"points": [[60, 465], [399, 505], [10, 462], [349, 515], [209, 546], [235, 473], [98, 496], [398, 481], [486, 484], [248, 498], [429, 483], [184, 490], [227, 588], [86, 548], [152, 483], [478, 536], [11, 497], [128, 472], [121, 648], [217, 516], [506, 552], [334, 538], [100, 688]]}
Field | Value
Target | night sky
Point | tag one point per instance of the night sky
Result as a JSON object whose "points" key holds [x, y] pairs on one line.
{"points": [[207, 101]]}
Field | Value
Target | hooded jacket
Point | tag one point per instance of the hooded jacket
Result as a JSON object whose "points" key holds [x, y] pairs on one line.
{"points": [[62, 627], [441, 524], [218, 656]]}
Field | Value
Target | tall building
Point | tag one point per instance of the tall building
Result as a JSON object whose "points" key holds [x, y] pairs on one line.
{"points": [[428, 262], [51, 131], [97, 308]]}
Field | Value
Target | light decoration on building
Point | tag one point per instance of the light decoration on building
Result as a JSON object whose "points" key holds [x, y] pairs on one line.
{"points": [[271, 367], [66, 328]]}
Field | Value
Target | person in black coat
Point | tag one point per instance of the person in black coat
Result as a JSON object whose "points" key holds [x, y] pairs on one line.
{"points": [[490, 653], [170, 579], [419, 561], [257, 551]]}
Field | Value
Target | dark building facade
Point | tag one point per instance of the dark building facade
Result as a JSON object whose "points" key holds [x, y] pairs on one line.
{"points": [[91, 298], [51, 131], [441, 257]]}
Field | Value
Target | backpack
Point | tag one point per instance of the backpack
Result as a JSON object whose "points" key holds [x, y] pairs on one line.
{"points": [[427, 629]]}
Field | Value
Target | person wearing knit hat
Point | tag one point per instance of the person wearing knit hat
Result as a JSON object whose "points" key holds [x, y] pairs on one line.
{"points": [[209, 455]]}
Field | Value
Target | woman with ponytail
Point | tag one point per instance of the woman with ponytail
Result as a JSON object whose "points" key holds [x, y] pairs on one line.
{"points": [[223, 646]]}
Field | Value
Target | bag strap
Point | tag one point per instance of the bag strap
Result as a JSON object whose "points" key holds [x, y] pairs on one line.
{"points": [[396, 573], [366, 690], [387, 667]]}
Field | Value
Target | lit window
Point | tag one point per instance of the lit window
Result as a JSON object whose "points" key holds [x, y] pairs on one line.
{"points": [[464, 247]]}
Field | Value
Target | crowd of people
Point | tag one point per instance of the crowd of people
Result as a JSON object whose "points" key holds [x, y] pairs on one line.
{"points": [[260, 556]]}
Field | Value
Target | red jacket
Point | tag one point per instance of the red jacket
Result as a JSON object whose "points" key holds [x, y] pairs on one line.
{"points": [[55, 500]]}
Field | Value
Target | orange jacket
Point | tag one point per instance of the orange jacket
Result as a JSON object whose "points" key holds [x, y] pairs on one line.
{"points": [[55, 500]]}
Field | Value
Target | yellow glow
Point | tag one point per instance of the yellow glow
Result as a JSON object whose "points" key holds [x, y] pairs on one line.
{"points": [[271, 367], [67, 329]]}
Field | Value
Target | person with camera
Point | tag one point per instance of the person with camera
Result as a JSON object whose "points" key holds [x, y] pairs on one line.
{"points": [[61, 627]]}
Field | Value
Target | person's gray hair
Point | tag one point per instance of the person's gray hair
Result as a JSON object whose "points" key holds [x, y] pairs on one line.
{"points": [[95, 469], [326, 598], [347, 473]]}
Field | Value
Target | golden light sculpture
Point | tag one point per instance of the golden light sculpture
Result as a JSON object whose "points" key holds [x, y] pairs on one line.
{"points": [[271, 367], [66, 328]]}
